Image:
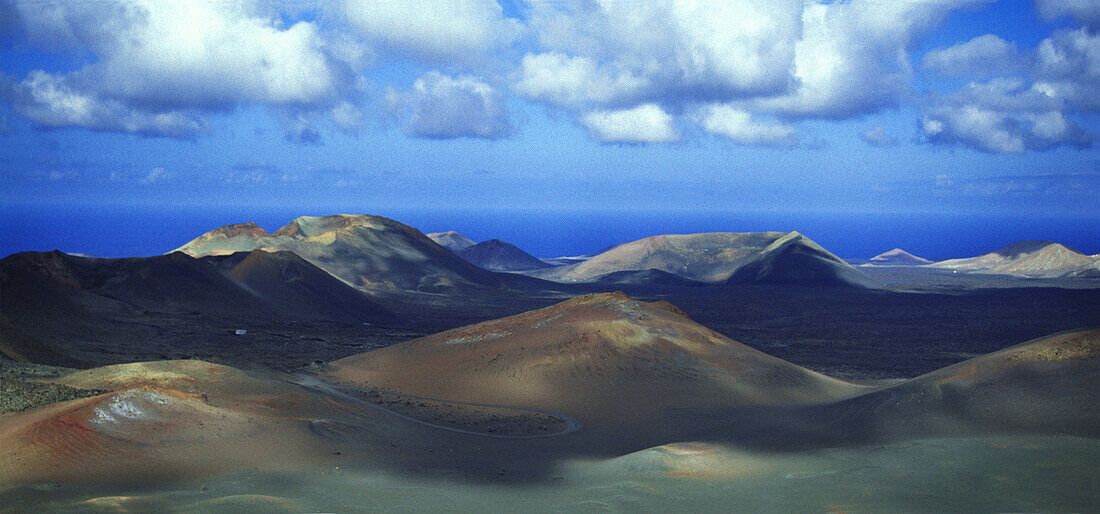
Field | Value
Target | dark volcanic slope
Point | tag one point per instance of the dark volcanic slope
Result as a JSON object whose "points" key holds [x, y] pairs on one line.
{"points": [[654, 277], [166, 283], [302, 290], [496, 255], [52, 301], [795, 260]]}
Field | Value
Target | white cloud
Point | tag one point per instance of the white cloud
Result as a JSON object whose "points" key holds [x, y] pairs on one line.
{"points": [[347, 116], [646, 123], [740, 127], [155, 175], [57, 175], [852, 58], [877, 136], [1085, 11], [50, 101], [1029, 112], [571, 81], [434, 29], [693, 50], [1001, 116], [444, 107], [158, 64], [983, 55], [785, 58], [1068, 67]]}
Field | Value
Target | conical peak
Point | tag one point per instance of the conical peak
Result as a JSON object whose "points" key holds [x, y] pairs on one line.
{"points": [[249, 229], [598, 298], [313, 226]]}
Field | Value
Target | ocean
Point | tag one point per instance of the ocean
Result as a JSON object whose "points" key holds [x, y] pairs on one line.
{"points": [[133, 231]]}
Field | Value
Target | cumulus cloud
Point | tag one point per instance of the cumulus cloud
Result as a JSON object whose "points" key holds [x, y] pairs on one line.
{"points": [[782, 58], [1001, 116], [1087, 12], [562, 80], [852, 58], [159, 65], [646, 123], [740, 127], [877, 136], [1068, 67], [347, 116], [983, 55], [444, 107], [1033, 111], [434, 29], [49, 100], [675, 49]]}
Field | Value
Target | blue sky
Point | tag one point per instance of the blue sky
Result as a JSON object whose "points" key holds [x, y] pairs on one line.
{"points": [[860, 107]]}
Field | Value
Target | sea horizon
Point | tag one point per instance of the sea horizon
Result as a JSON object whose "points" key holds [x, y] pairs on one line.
{"points": [[131, 231]]}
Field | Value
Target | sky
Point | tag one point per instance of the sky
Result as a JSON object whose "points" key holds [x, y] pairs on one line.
{"points": [[872, 108]]}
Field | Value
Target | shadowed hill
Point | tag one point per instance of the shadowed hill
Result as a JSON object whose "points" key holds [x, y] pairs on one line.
{"points": [[720, 257], [707, 257], [1036, 259], [1021, 248], [496, 255], [303, 290], [1047, 385], [795, 260], [53, 303], [169, 283], [1043, 386], [180, 283], [645, 277]]}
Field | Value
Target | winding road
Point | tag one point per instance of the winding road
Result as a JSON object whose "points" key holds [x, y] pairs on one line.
{"points": [[572, 425]]}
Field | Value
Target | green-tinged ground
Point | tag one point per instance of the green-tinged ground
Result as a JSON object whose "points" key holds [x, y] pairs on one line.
{"points": [[18, 390]]}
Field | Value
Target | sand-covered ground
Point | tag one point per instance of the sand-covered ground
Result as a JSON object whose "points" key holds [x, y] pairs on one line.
{"points": [[981, 474], [601, 402]]}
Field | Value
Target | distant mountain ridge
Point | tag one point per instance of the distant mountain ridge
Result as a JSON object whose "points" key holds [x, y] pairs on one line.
{"points": [[496, 255], [720, 257], [366, 251], [1034, 259], [897, 257], [451, 240]]}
